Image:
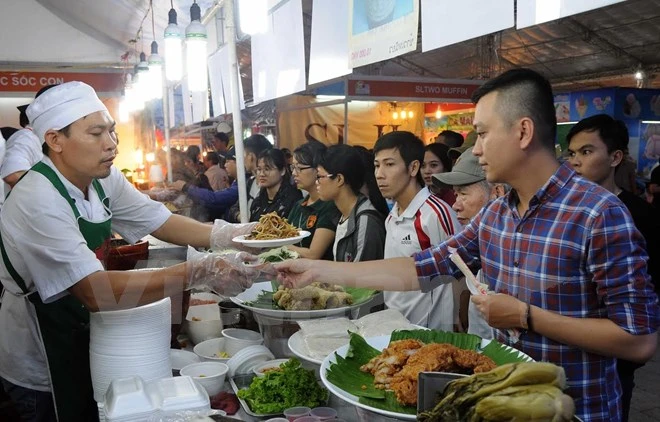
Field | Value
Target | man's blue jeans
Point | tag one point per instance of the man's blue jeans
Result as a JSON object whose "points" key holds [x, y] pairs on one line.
{"points": [[31, 405]]}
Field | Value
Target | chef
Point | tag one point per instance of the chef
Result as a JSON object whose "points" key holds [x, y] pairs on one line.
{"points": [[55, 228], [23, 148]]}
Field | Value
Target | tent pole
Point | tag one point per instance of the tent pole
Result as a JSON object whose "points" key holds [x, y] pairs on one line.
{"points": [[166, 124], [230, 38]]}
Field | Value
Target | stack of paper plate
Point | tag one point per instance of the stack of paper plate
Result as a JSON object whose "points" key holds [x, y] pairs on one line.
{"points": [[130, 342]]}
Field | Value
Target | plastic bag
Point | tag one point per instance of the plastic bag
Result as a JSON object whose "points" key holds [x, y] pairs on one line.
{"points": [[227, 274], [223, 232]]}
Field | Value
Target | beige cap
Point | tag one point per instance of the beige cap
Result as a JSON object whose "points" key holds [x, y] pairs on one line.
{"points": [[466, 171]]}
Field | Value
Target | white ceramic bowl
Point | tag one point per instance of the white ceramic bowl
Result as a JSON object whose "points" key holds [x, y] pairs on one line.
{"points": [[203, 323], [211, 350], [261, 369], [210, 375], [181, 358], [239, 338]]}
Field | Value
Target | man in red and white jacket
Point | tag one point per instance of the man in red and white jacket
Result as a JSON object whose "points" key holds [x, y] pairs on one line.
{"points": [[417, 221]]}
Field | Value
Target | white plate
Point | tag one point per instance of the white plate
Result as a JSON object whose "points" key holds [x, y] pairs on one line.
{"points": [[253, 292], [271, 243], [297, 346], [379, 343]]}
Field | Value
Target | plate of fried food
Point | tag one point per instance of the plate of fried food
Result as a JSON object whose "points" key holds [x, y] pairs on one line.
{"points": [[272, 231], [380, 374], [314, 301]]}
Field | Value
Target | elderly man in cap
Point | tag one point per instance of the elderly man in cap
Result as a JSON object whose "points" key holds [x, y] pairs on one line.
{"points": [[55, 229], [473, 192]]}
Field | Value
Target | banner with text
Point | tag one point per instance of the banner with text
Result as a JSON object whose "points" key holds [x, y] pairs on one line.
{"points": [[460, 91], [381, 29], [34, 81]]}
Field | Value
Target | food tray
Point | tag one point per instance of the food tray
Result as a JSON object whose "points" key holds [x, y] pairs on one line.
{"points": [[241, 382]]}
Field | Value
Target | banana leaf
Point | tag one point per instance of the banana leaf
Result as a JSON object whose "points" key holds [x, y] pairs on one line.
{"points": [[346, 374], [460, 340], [501, 354]]}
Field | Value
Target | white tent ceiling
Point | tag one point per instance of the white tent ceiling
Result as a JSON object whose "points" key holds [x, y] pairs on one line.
{"points": [[598, 48]]}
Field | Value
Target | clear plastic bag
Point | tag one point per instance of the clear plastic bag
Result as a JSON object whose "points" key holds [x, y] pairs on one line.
{"points": [[227, 273]]}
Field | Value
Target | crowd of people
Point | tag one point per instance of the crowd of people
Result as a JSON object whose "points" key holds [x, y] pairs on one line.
{"points": [[570, 255]]}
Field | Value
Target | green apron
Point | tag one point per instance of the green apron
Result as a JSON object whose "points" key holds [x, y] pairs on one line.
{"points": [[64, 324]]}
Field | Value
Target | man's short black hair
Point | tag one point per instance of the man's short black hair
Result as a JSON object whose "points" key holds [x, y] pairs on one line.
{"points": [[222, 137], [452, 139], [410, 147], [613, 133], [212, 156], [524, 93], [256, 144]]}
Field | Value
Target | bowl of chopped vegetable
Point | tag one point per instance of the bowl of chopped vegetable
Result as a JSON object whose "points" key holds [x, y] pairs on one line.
{"points": [[266, 367], [276, 391], [212, 350]]}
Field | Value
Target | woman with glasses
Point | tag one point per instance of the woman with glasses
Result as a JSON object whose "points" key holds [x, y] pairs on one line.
{"points": [[318, 217], [275, 191], [437, 161], [360, 234]]}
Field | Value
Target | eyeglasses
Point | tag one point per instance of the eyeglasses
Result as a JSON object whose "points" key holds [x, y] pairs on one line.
{"points": [[323, 176], [298, 169], [264, 170]]}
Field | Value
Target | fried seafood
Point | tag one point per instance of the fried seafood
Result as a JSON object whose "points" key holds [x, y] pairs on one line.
{"points": [[312, 297], [399, 365], [472, 361], [390, 361], [427, 358]]}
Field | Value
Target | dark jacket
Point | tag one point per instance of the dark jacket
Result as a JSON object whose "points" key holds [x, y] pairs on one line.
{"points": [[365, 235], [284, 200]]}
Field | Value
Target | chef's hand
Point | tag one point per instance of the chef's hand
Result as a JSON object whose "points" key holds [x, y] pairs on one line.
{"points": [[178, 185], [501, 311], [226, 274], [296, 273], [223, 232]]}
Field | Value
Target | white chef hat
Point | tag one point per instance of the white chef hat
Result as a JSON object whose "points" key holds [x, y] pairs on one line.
{"points": [[62, 105]]}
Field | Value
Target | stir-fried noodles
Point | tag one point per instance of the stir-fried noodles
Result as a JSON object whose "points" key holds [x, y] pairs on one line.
{"points": [[272, 226]]}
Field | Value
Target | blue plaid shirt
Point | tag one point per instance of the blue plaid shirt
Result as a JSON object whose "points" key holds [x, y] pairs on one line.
{"points": [[575, 252]]}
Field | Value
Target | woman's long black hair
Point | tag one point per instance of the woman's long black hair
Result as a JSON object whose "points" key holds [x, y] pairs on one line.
{"points": [[356, 164]]}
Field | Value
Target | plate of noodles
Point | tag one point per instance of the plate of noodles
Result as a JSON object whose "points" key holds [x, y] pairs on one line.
{"points": [[272, 231]]}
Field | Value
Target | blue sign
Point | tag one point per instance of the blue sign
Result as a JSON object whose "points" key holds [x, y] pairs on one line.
{"points": [[589, 103]]}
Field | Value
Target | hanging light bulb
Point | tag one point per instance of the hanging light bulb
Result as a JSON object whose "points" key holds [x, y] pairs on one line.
{"points": [[410, 114], [438, 113], [155, 76], [253, 16], [196, 55], [395, 115], [141, 81], [133, 97], [173, 52]]}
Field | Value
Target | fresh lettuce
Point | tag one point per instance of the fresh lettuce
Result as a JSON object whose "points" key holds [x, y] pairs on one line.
{"points": [[291, 386]]}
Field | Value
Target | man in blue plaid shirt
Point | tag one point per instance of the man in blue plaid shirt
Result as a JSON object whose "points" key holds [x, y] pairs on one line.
{"points": [[562, 253]]}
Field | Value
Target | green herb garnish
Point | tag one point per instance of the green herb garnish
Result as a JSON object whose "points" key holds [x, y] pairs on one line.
{"points": [[289, 387]]}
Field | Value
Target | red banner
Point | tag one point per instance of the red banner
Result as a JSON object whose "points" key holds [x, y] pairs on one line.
{"points": [[34, 81], [411, 90]]}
